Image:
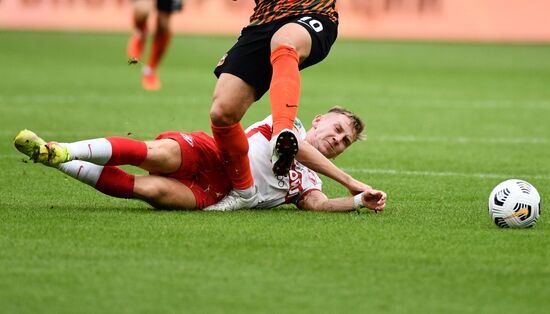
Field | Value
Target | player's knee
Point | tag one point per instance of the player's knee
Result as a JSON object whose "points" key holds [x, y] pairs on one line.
{"points": [[282, 41], [162, 31], [283, 44], [221, 113], [289, 51], [293, 36], [163, 156], [146, 190]]}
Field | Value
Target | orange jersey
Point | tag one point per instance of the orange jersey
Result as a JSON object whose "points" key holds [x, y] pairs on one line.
{"points": [[271, 10]]}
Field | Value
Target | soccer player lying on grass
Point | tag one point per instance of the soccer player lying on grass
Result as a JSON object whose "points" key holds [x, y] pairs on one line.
{"points": [[186, 171]]}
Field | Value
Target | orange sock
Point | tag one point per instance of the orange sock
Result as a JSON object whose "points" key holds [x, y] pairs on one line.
{"points": [[160, 43], [233, 145], [136, 43], [284, 91]]}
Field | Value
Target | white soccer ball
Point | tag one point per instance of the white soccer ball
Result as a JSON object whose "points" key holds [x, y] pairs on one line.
{"points": [[514, 203]]}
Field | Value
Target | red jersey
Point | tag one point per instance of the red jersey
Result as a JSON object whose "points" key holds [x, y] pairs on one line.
{"points": [[271, 10]]}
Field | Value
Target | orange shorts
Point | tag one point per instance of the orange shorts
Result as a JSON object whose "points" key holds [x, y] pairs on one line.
{"points": [[201, 169]]}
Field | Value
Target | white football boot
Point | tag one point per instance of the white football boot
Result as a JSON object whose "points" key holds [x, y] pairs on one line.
{"points": [[234, 201]]}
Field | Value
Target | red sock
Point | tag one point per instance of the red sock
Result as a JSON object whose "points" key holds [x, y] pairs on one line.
{"points": [[126, 151], [160, 43], [115, 182], [233, 145], [284, 91]]}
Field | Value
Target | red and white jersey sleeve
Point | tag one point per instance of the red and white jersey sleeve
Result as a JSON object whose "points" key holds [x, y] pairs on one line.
{"points": [[276, 190]]}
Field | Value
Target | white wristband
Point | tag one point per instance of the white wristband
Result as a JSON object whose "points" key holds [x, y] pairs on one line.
{"points": [[357, 201]]}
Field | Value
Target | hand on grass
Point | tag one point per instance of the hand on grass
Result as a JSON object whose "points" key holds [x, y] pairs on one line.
{"points": [[374, 200]]}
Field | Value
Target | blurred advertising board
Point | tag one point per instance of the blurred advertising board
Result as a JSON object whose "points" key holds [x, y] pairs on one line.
{"points": [[477, 20]]}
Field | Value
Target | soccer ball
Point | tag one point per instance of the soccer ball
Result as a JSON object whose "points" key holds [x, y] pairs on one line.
{"points": [[514, 203]]}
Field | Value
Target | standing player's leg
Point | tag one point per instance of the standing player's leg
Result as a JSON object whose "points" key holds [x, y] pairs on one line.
{"points": [[161, 41], [136, 43], [290, 45], [232, 98]]}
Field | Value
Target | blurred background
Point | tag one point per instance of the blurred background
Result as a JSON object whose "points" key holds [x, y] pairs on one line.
{"points": [[464, 20]]}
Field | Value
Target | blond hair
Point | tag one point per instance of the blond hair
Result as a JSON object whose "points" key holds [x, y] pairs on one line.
{"points": [[358, 124]]}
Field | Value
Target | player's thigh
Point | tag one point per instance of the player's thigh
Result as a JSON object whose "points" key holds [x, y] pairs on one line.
{"points": [[294, 35], [163, 22], [143, 7], [163, 192], [232, 98], [322, 35]]}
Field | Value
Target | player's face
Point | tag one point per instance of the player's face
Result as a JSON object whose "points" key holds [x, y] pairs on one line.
{"points": [[332, 134]]}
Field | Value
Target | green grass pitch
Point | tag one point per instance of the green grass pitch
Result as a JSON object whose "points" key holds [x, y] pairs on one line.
{"points": [[446, 122]]}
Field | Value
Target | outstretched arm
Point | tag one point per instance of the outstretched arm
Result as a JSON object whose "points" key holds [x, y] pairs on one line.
{"points": [[314, 160], [318, 201]]}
